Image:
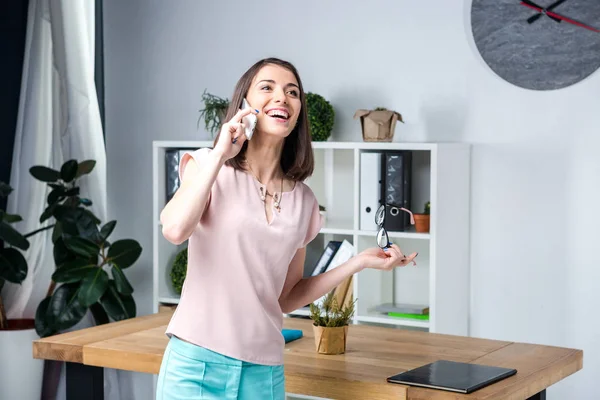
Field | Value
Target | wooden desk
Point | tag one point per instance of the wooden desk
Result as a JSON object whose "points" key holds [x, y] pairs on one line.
{"points": [[373, 353]]}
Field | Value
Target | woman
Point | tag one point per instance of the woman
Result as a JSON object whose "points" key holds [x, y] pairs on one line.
{"points": [[248, 217]]}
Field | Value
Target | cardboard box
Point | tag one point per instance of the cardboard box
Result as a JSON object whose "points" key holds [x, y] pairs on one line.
{"points": [[378, 125]]}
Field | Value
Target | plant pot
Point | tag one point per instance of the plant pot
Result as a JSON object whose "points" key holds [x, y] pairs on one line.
{"points": [[22, 375], [330, 340], [378, 125], [422, 222]]}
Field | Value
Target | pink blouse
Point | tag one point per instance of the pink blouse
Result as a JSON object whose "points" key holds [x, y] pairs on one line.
{"points": [[237, 265]]}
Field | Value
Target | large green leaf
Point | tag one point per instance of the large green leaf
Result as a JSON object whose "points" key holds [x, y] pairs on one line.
{"points": [[78, 221], [118, 306], [11, 236], [48, 212], [107, 229], [11, 218], [5, 189], [73, 271], [124, 253], [68, 171], [44, 174], [13, 266], [64, 309], [61, 254], [43, 321], [82, 246], [93, 287], [122, 284], [56, 195], [57, 231], [85, 167]]}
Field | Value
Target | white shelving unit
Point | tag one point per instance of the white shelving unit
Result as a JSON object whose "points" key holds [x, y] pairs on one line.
{"points": [[440, 174]]}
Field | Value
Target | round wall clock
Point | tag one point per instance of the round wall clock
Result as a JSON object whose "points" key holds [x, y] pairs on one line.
{"points": [[538, 44]]}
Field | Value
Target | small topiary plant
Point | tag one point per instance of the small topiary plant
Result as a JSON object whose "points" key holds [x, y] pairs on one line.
{"points": [[320, 116], [178, 270]]}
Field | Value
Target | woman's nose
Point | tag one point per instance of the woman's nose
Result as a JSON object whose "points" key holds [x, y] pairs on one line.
{"points": [[279, 95]]}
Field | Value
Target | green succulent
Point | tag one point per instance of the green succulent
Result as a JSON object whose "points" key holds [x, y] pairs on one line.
{"points": [[179, 270], [427, 208], [320, 116]]}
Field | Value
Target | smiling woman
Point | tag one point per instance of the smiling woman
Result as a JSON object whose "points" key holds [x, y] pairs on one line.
{"points": [[247, 216]]}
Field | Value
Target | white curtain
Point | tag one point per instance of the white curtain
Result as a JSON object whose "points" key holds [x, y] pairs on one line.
{"points": [[58, 120]]}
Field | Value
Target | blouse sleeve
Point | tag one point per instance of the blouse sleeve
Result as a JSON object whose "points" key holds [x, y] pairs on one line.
{"points": [[314, 225], [198, 155]]}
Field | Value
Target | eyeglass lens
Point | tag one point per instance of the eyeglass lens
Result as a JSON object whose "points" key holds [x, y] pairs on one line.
{"points": [[383, 240]]}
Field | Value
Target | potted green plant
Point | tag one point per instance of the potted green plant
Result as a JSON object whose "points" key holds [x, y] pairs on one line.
{"points": [[16, 334], [89, 273], [321, 116], [179, 270], [422, 220], [330, 324], [214, 111]]}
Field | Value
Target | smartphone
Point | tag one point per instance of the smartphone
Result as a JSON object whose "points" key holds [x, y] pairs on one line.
{"points": [[249, 121]]}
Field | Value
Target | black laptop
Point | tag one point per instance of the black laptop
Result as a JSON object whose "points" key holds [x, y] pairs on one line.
{"points": [[453, 376]]}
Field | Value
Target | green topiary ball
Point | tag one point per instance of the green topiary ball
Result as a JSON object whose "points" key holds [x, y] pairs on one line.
{"points": [[320, 116], [178, 270]]}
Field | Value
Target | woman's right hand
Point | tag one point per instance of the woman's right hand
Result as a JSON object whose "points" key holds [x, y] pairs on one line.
{"points": [[233, 129]]}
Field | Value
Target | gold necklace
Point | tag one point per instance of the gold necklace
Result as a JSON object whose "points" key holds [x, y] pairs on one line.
{"points": [[264, 192]]}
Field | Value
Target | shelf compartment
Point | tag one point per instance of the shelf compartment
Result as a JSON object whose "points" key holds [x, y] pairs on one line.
{"points": [[332, 183]]}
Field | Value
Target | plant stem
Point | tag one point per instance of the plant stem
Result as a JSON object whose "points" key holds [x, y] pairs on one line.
{"points": [[3, 319], [39, 230], [51, 289]]}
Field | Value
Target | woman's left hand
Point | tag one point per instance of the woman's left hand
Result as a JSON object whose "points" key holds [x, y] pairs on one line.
{"points": [[387, 260]]}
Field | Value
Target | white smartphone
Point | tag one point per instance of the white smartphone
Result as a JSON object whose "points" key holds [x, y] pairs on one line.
{"points": [[249, 121]]}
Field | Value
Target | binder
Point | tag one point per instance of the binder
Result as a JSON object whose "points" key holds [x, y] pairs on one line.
{"points": [[396, 189], [370, 189]]}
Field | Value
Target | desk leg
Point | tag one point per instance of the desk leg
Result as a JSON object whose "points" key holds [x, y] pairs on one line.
{"points": [[84, 382], [540, 396]]}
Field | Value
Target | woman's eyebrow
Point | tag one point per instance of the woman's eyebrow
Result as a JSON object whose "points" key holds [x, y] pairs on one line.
{"points": [[273, 82]]}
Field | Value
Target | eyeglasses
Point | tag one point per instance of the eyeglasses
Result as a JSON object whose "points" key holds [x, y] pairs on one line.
{"points": [[383, 239]]}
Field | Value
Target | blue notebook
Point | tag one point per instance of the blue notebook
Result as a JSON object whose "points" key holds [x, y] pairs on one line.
{"points": [[291, 334]]}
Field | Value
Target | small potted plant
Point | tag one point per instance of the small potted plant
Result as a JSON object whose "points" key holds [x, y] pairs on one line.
{"points": [[214, 111], [422, 220], [321, 116], [179, 270], [330, 324]]}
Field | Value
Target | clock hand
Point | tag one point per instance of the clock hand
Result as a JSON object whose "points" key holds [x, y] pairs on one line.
{"points": [[561, 17], [549, 8], [541, 11]]}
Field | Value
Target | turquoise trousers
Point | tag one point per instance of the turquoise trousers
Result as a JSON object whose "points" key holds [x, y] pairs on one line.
{"points": [[191, 372]]}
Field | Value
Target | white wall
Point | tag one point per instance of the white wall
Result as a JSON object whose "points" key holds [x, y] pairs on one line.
{"points": [[534, 172]]}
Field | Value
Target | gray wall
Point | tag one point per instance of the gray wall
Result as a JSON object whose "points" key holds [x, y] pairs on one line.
{"points": [[534, 170]]}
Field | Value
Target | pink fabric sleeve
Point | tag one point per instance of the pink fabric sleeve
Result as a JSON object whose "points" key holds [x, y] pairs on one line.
{"points": [[315, 224], [198, 155]]}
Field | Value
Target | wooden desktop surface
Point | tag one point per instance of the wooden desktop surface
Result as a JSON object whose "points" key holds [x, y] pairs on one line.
{"points": [[373, 353]]}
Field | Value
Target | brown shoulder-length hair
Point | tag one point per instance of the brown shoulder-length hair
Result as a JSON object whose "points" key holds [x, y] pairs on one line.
{"points": [[297, 160]]}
